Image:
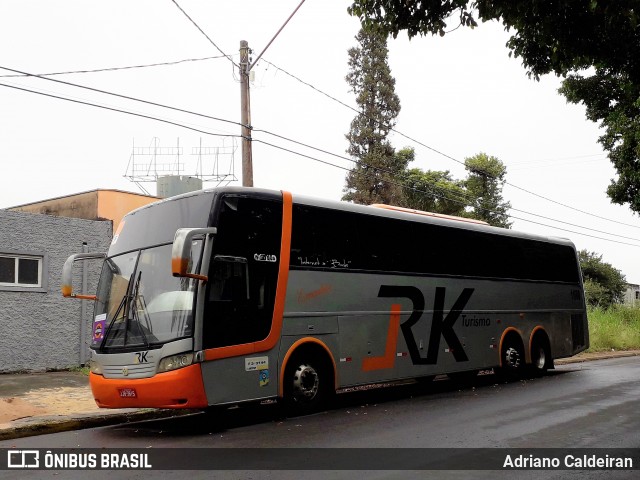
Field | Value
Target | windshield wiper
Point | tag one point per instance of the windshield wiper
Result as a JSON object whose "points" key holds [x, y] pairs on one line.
{"points": [[133, 304], [129, 304]]}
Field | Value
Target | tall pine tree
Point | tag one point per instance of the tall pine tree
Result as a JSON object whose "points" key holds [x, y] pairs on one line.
{"points": [[376, 176]]}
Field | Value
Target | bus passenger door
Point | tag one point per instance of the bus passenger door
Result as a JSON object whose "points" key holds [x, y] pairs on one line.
{"points": [[240, 299]]}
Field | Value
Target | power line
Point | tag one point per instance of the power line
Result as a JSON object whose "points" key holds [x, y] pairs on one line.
{"points": [[150, 117], [430, 193], [467, 202], [126, 97], [203, 32], [114, 69], [449, 156], [465, 199]]}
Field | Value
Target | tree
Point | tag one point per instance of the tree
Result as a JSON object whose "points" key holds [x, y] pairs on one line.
{"points": [[565, 37], [484, 184], [604, 285], [375, 178], [434, 191]]}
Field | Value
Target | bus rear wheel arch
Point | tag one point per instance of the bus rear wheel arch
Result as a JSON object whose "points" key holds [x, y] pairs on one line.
{"points": [[308, 380]]}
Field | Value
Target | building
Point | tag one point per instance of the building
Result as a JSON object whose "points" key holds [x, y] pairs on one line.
{"points": [[39, 329], [632, 295], [92, 205]]}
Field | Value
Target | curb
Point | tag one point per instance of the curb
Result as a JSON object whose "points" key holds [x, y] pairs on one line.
{"points": [[588, 357], [56, 424]]}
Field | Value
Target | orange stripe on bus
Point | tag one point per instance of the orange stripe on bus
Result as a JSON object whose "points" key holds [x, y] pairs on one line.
{"points": [[292, 348], [281, 292], [388, 359]]}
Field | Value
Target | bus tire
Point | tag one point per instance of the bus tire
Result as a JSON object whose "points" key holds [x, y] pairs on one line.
{"points": [[512, 359], [308, 382], [541, 359]]}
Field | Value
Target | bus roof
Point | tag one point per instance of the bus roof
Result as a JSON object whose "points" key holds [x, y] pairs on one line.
{"points": [[389, 211]]}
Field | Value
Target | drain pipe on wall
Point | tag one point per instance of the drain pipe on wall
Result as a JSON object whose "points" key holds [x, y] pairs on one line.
{"points": [[83, 310]]}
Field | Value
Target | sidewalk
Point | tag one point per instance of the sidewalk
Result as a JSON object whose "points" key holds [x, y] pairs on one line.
{"points": [[40, 403]]}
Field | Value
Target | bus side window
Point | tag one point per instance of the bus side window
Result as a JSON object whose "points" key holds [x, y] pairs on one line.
{"points": [[229, 280]]}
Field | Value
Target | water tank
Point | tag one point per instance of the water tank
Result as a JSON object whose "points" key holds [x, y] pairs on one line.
{"points": [[172, 185]]}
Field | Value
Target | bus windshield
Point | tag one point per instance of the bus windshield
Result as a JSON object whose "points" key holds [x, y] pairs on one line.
{"points": [[141, 303]]}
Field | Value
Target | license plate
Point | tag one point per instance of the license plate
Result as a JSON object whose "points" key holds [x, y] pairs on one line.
{"points": [[127, 393]]}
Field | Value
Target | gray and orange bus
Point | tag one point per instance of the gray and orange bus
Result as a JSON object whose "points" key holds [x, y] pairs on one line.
{"points": [[231, 295]]}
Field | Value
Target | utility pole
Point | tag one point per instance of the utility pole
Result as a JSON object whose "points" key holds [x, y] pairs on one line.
{"points": [[245, 117], [245, 102]]}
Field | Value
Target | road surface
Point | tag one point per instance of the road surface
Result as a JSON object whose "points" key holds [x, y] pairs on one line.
{"points": [[585, 405]]}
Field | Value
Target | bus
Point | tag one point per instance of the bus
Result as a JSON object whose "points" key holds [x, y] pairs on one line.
{"points": [[235, 294]]}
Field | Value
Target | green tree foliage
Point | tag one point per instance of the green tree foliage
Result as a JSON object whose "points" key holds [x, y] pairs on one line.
{"points": [[443, 193], [478, 196], [375, 179], [613, 99], [595, 43], [604, 285], [484, 184]]}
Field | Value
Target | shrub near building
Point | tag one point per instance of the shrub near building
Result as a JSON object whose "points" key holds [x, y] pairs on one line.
{"points": [[604, 285]]}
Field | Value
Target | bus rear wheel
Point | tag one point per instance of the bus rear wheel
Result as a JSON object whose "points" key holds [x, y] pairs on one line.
{"points": [[512, 360], [541, 359], [308, 384]]}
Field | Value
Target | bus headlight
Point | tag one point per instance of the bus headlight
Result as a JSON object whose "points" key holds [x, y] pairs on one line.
{"points": [[175, 361], [95, 367]]}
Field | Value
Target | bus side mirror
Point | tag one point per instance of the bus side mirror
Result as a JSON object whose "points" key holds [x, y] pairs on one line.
{"points": [[181, 251], [67, 274]]}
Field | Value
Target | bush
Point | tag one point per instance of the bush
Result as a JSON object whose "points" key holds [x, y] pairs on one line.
{"points": [[604, 285], [615, 328]]}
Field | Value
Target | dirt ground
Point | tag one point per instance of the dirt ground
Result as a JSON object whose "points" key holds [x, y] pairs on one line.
{"points": [[52, 401]]}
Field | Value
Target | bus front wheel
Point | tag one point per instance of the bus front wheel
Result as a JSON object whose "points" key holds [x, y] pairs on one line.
{"points": [[308, 384]]}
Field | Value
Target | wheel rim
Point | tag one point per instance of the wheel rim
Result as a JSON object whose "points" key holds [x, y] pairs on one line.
{"points": [[306, 383], [542, 359], [512, 358]]}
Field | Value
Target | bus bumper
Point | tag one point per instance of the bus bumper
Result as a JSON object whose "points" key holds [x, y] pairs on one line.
{"points": [[182, 388]]}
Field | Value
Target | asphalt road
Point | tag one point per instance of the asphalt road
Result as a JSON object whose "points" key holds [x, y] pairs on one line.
{"points": [[586, 405]]}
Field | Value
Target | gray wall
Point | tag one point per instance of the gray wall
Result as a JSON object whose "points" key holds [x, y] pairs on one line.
{"points": [[40, 330]]}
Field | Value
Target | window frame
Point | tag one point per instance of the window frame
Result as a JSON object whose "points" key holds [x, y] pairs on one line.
{"points": [[43, 272]]}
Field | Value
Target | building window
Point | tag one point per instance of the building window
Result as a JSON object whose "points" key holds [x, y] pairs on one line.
{"points": [[637, 295], [21, 271]]}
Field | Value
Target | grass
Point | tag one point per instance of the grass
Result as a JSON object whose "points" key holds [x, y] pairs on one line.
{"points": [[617, 328], [83, 370]]}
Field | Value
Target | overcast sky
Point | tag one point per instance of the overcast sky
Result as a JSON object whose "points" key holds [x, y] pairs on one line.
{"points": [[460, 95]]}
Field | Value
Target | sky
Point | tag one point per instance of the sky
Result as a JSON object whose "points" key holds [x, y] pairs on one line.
{"points": [[460, 94]]}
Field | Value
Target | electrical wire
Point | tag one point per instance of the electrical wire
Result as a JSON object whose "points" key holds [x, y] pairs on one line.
{"points": [[118, 110], [440, 196], [126, 97], [465, 201], [203, 33], [448, 156], [114, 69], [468, 202]]}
